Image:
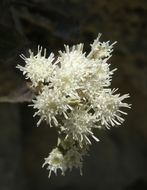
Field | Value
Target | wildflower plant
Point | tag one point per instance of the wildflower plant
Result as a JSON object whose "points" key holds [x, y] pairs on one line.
{"points": [[73, 94]]}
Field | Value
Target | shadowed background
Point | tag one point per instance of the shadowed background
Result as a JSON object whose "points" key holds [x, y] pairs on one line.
{"points": [[119, 160]]}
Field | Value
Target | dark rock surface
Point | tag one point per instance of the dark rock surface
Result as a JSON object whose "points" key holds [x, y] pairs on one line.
{"points": [[11, 172], [119, 160]]}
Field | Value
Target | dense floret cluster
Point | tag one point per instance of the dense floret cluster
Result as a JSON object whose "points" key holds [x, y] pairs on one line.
{"points": [[73, 94]]}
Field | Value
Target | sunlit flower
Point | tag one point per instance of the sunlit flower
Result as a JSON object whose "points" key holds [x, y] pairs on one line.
{"points": [[79, 126], [38, 68], [108, 108], [50, 103], [72, 68], [72, 93]]}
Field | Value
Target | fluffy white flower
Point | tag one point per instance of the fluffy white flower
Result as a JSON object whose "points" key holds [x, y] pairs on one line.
{"points": [[107, 107], [100, 50], [38, 68], [50, 103], [55, 161], [73, 158], [72, 68], [72, 57], [79, 126], [97, 75]]}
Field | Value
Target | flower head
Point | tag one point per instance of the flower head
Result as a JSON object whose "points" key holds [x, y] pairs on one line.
{"points": [[38, 68], [73, 63], [79, 126], [73, 158], [50, 103], [107, 108], [100, 50], [55, 161]]}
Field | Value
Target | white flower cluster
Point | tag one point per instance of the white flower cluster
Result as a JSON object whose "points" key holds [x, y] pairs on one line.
{"points": [[73, 94]]}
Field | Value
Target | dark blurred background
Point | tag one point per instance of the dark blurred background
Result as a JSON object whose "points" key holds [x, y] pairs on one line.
{"points": [[119, 160]]}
